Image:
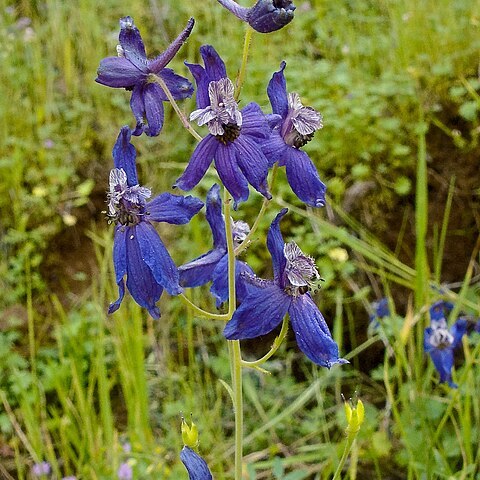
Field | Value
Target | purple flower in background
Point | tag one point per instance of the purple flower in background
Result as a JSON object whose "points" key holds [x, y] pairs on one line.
{"points": [[440, 341], [70, 477], [293, 126], [125, 472], [269, 301], [265, 16], [138, 251], [196, 466], [41, 469], [133, 71], [213, 265], [235, 135]]}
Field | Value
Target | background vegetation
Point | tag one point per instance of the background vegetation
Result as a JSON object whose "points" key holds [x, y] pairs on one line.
{"points": [[397, 83]]}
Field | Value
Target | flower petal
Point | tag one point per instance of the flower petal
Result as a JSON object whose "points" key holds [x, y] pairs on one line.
{"points": [[124, 156], [215, 217], [277, 92], [179, 86], [141, 284], [118, 72], [120, 264], [132, 44], [311, 332], [214, 65], [443, 361], [164, 58], [199, 163], [219, 287], [137, 105], [253, 164], [156, 256], [303, 178], [274, 148], [261, 311], [458, 330], [254, 122], [196, 466], [152, 98], [201, 79], [230, 173], [275, 245], [200, 270], [173, 209]]}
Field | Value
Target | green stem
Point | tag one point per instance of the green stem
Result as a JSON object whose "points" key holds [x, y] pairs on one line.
{"points": [[243, 68], [346, 451], [263, 208], [180, 114], [234, 351], [236, 365], [204, 313]]}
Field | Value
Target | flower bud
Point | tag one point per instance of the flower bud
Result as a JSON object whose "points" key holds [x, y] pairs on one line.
{"points": [[189, 434], [270, 15], [355, 416]]}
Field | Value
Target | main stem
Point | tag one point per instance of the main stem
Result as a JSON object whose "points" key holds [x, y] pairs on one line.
{"points": [[234, 350]]}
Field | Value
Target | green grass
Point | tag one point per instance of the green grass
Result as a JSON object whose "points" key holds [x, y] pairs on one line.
{"points": [[397, 84]]}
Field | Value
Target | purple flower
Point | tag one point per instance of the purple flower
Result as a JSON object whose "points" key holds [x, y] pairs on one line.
{"points": [[380, 310], [70, 477], [125, 472], [133, 71], [293, 126], [138, 251], [235, 135], [213, 265], [41, 469], [265, 16], [269, 301], [440, 341], [196, 466]]}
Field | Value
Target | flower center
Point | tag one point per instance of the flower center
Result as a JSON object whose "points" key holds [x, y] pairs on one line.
{"points": [[126, 205], [301, 122], [240, 230], [222, 116], [300, 271], [441, 337]]}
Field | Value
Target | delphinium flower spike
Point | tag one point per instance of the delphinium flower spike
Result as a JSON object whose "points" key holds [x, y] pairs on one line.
{"points": [[268, 301], [235, 135], [133, 71], [440, 341], [213, 265], [265, 16], [138, 251], [293, 126]]}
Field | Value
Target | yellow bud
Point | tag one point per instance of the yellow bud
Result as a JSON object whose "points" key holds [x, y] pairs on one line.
{"points": [[189, 434], [355, 417]]}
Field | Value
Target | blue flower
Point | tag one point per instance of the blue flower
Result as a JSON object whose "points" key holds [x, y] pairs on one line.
{"points": [[133, 71], [380, 310], [265, 16], [196, 466], [138, 251], [293, 126], [235, 135], [213, 265], [269, 301], [440, 341]]}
